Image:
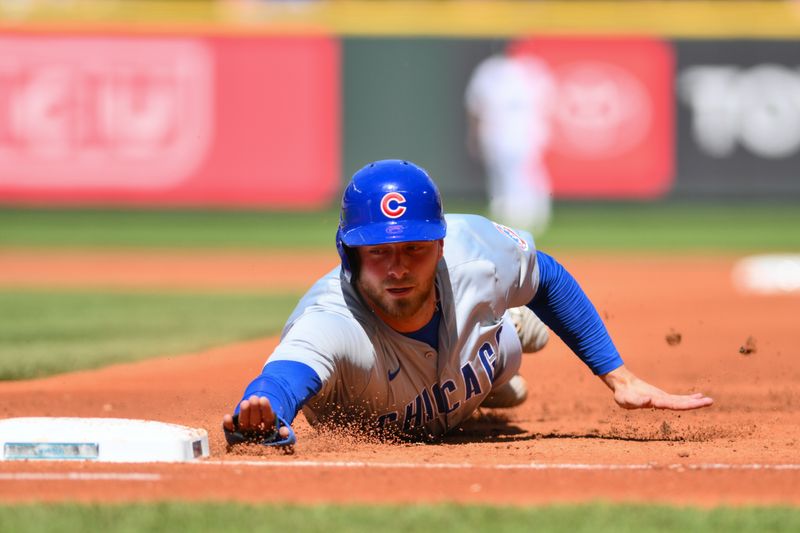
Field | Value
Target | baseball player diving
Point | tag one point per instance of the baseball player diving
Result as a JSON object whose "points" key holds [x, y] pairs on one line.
{"points": [[424, 322]]}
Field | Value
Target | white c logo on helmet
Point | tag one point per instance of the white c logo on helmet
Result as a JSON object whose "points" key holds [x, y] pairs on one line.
{"points": [[391, 204]]}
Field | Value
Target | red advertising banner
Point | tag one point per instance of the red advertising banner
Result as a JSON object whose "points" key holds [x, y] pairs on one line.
{"points": [[169, 121], [611, 125]]}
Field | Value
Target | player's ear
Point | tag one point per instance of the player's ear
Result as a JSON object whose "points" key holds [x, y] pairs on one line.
{"points": [[440, 242]]}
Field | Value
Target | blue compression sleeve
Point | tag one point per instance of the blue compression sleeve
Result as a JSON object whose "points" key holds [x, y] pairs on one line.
{"points": [[564, 307], [287, 385]]}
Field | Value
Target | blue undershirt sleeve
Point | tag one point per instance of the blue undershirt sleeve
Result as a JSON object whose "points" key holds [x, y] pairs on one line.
{"points": [[564, 307], [287, 385]]}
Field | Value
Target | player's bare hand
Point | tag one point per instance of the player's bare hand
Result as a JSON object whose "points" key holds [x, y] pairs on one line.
{"points": [[255, 417], [631, 392]]}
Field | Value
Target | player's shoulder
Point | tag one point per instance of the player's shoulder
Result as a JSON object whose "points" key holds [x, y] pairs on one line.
{"points": [[471, 234], [489, 262]]}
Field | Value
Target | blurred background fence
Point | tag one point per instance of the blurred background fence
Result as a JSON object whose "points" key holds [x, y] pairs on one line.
{"points": [[274, 104]]}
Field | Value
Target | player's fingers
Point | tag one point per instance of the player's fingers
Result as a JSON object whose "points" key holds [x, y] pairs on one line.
{"points": [[283, 432], [267, 416], [705, 401], [670, 402], [227, 422], [244, 414], [682, 403], [263, 414], [254, 413]]}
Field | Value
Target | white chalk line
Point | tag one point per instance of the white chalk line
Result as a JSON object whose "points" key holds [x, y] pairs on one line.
{"points": [[511, 466], [152, 477], [78, 476]]}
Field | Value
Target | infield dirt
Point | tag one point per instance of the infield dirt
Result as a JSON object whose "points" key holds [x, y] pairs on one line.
{"points": [[677, 320]]}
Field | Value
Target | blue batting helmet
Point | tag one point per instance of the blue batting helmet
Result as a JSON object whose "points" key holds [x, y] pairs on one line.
{"points": [[386, 202]]}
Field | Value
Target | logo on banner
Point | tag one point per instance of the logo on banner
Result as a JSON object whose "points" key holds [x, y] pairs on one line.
{"points": [[757, 108], [611, 121], [602, 110], [392, 205], [136, 117]]}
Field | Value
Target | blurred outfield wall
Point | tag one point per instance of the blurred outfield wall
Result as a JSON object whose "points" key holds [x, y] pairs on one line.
{"points": [[259, 104]]}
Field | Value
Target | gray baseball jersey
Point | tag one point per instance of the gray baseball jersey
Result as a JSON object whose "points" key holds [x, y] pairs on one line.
{"points": [[387, 380]]}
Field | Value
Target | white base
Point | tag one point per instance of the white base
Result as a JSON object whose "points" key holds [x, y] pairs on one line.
{"points": [[114, 440], [768, 274]]}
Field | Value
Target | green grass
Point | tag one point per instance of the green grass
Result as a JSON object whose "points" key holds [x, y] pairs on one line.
{"points": [[216, 517], [47, 333], [184, 229], [708, 227], [691, 227]]}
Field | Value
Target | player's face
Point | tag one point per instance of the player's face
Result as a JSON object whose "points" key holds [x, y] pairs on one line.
{"points": [[397, 281]]}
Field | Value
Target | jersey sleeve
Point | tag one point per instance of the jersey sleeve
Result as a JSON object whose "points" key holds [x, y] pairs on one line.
{"points": [[287, 385], [564, 307]]}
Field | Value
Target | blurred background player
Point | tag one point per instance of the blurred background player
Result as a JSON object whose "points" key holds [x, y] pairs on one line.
{"points": [[508, 100]]}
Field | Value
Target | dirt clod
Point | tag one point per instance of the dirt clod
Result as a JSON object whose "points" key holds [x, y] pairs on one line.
{"points": [[749, 346], [673, 338]]}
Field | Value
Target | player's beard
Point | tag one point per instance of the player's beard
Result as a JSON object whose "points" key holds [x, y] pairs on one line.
{"points": [[399, 308]]}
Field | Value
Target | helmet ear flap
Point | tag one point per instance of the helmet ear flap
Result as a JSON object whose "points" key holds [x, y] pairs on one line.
{"points": [[355, 262], [349, 257], [340, 248]]}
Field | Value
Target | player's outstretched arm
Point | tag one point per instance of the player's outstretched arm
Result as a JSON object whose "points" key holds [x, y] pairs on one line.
{"points": [[631, 392], [271, 401], [255, 420]]}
